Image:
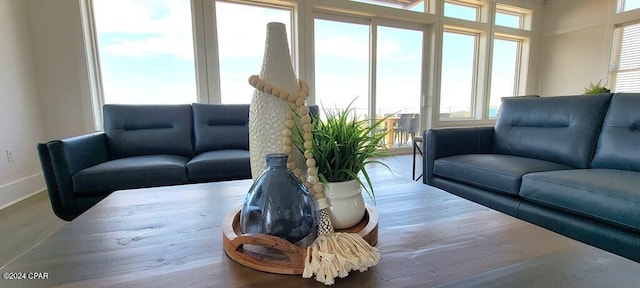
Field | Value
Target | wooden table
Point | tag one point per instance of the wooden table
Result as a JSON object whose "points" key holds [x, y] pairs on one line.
{"points": [[171, 237]]}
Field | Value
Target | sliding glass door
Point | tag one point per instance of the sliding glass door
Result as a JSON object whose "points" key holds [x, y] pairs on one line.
{"points": [[398, 83], [378, 67]]}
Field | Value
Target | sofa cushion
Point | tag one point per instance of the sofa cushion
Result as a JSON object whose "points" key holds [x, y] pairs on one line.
{"points": [[559, 129], [131, 172], [619, 142], [220, 126], [604, 194], [500, 173], [219, 165], [136, 130]]}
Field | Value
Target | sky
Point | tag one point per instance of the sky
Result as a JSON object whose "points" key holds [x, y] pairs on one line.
{"points": [[146, 56]]}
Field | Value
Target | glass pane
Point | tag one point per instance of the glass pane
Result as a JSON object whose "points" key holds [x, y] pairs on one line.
{"points": [[399, 74], [504, 72], [458, 65], [464, 12], [146, 51], [412, 5], [241, 46], [630, 48], [625, 60], [342, 65], [628, 81], [507, 19], [630, 4]]}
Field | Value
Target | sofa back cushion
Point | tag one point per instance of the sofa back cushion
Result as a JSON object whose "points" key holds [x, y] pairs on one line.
{"points": [[136, 130], [618, 146], [559, 129], [220, 126]]}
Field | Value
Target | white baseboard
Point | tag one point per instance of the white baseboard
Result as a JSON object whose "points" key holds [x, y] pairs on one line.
{"points": [[19, 190]]}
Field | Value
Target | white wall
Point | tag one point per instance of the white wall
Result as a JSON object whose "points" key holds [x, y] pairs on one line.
{"points": [[577, 43], [60, 59], [20, 120], [44, 90]]}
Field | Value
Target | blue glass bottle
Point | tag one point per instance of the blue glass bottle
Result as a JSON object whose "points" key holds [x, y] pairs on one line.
{"points": [[279, 204]]}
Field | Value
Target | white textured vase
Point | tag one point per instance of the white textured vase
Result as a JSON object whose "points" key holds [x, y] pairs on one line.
{"points": [[347, 205], [267, 113]]}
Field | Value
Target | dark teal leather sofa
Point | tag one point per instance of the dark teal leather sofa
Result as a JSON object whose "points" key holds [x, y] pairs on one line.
{"points": [[146, 146], [570, 164]]}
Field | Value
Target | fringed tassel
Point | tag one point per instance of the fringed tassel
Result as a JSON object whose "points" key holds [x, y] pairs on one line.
{"points": [[335, 254]]}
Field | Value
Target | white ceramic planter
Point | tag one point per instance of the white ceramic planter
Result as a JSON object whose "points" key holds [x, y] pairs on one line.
{"points": [[347, 205]]}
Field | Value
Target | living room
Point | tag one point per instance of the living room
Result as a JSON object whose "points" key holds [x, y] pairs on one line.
{"points": [[47, 69], [48, 82]]}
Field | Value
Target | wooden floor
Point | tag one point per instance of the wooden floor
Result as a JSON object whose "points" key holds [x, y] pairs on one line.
{"points": [[30, 221], [25, 224]]}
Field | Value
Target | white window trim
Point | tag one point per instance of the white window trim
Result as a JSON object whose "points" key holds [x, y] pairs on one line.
{"points": [[304, 11]]}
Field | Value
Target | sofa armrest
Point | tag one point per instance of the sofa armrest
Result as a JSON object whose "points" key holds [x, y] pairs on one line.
{"points": [[439, 143], [61, 159]]}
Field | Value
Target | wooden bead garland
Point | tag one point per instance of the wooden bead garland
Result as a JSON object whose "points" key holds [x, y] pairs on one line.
{"points": [[297, 101]]}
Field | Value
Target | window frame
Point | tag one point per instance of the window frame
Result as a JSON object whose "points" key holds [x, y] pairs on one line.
{"points": [[96, 78], [473, 100], [217, 93], [620, 7], [469, 4], [431, 22], [517, 81], [488, 31], [511, 13], [616, 51], [373, 23], [524, 14]]}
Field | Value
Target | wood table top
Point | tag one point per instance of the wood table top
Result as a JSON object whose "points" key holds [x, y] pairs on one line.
{"points": [[171, 237]]}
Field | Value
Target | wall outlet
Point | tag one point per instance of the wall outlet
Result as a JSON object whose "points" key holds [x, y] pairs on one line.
{"points": [[10, 155]]}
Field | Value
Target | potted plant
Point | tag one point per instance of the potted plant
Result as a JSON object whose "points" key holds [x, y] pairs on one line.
{"points": [[343, 144], [597, 88]]}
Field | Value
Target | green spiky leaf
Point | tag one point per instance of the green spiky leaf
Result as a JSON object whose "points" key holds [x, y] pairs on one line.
{"points": [[343, 145]]}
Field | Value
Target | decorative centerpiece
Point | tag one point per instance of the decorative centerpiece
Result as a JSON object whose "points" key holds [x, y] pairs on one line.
{"points": [[332, 254]]}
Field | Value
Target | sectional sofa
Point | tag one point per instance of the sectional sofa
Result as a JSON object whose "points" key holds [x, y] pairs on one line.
{"points": [[146, 146], [570, 164]]}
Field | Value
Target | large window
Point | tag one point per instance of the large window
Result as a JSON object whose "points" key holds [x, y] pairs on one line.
{"points": [[504, 72], [342, 65], [625, 60], [450, 59], [481, 63], [146, 51], [457, 87], [241, 45]]}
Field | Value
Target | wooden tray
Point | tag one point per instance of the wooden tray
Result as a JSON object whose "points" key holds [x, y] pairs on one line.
{"points": [[275, 255]]}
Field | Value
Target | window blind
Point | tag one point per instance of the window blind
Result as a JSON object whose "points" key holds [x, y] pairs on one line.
{"points": [[625, 59]]}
